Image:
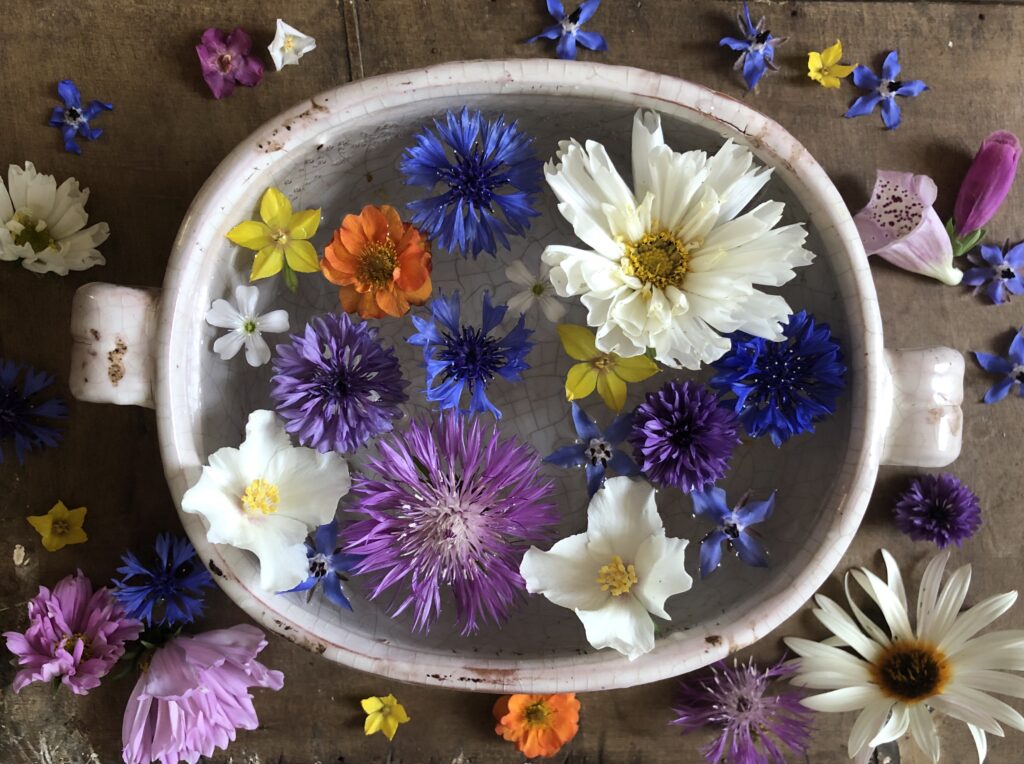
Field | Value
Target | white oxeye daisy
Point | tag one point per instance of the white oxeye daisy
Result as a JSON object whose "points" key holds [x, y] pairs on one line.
{"points": [[289, 45], [538, 291], [246, 326]]}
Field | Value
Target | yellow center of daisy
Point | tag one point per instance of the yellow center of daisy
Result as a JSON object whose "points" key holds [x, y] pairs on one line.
{"points": [[377, 263], [261, 496], [69, 641], [910, 671], [658, 259], [537, 713], [27, 230], [616, 577]]}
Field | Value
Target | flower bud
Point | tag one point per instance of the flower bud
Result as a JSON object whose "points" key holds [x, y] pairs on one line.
{"points": [[987, 182]]}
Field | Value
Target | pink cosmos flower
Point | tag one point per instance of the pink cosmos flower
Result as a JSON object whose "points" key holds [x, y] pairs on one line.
{"points": [[74, 634], [226, 61], [194, 695], [987, 182]]}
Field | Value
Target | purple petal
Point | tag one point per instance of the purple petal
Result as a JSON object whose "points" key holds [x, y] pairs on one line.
{"points": [[220, 85], [250, 72], [711, 553], [987, 183], [214, 40], [750, 550], [239, 43]]}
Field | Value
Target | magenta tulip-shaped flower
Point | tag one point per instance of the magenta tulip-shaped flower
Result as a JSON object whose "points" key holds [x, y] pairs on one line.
{"points": [[987, 183]]}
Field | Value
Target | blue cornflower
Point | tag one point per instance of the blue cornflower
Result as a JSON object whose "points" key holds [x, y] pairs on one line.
{"points": [[884, 90], [167, 589], [1011, 369], [782, 388], [73, 119], [327, 566], [996, 274], [596, 449], [732, 525], [757, 46], [467, 356], [489, 178], [23, 412], [567, 31]]}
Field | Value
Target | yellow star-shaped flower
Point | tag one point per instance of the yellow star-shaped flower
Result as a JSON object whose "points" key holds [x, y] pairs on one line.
{"points": [[607, 372], [383, 715], [825, 68], [60, 526]]}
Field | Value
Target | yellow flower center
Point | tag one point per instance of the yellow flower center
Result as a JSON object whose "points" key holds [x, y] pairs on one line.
{"points": [[537, 714], [603, 362], [261, 496], [60, 528], [280, 237], [289, 42], [377, 263], [616, 577], [68, 643], [28, 230], [658, 259], [911, 671]]}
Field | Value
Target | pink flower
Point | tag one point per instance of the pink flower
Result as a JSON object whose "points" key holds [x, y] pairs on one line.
{"points": [[74, 634], [225, 60], [899, 225], [988, 181], [194, 694]]}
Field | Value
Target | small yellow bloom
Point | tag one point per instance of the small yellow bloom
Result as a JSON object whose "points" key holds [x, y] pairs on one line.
{"points": [[60, 526], [383, 715], [281, 240], [825, 68], [607, 372]]}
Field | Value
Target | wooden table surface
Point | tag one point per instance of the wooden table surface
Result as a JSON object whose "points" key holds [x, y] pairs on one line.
{"points": [[167, 134]]}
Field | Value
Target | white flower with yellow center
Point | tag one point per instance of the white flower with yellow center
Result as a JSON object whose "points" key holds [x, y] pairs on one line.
{"points": [[266, 495], [897, 677], [673, 265], [289, 45], [616, 574], [245, 326]]}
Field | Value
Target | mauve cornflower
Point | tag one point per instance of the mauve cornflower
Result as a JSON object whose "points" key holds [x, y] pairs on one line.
{"points": [[732, 528], [996, 274], [567, 31], [327, 566], [73, 119], [884, 90], [75, 635], [24, 412], [783, 388], [1011, 369], [166, 588], [682, 437], [455, 506], [938, 508], [488, 175], [757, 47], [756, 727], [335, 385], [226, 61], [596, 449]]}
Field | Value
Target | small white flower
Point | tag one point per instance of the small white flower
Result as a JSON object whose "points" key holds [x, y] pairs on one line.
{"points": [[246, 326], [618, 572], [538, 291], [43, 224], [266, 495], [289, 45]]}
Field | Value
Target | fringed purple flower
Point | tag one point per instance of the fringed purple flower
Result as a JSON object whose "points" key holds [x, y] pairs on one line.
{"points": [[26, 415], [336, 386], [940, 509], [165, 587], [455, 506]]}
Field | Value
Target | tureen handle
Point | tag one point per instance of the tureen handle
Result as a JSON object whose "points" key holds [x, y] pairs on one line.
{"points": [[926, 387], [112, 335]]}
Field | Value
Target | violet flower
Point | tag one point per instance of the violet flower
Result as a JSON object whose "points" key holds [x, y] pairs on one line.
{"points": [[731, 528], [73, 119], [226, 61], [940, 509], [883, 90], [596, 449], [756, 47], [567, 29], [328, 566], [1011, 369], [986, 185], [996, 274]]}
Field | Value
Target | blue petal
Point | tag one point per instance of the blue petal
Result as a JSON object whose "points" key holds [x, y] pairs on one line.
{"points": [[734, 43], [586, 10], [623, 464], [977, 276], [711, 504], [863, 105], [479, 402], [891, 66], [567, 456], [69, 94], [1015, 256], [591, 40], [890, 113], [755, 512], [333, 592], [69, 140], [993, 364], [911, 89], [865, 79], [996, 292], [556, 10], [325, 540], [992, 255], [552, 32], [566, 48], [306, 585], [595, 478], [446, 311], [754, 67], [999, 390], [492, 315], [585, 427], [56, 117], [620, 427], [711, 553], [95, 107], [1017, 349], [750, 551]]}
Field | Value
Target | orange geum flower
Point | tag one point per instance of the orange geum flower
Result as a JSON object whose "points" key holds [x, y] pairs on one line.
{"points": [[539, 725]]}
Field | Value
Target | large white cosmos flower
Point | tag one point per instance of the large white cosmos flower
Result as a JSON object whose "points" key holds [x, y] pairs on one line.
{"points": [[673, 264]]}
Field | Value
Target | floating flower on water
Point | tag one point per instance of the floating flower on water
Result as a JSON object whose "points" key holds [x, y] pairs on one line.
{"points": [[617, 573], [73, 118], [900, 676], [327, 566], [755, 727], [60, 526], [825, 69], [537, 292], [940, 509], [996, 274], [281, 240], [884, 90], [731, 528], [265, 495], [226, 61], [336, 386], [1010, 368], [783, 388], [383, 715], [489, 179], [165, 588], [609, 373], [245, 326], [289, 45], [465, 356], [674, 265], [539, 725], [987, 183], [682, 437], [757, 46], [596, 450], [194, 695], [568, 32], [43, 224], [27, 417], [381, 264], [75, 635], [455, 506]]}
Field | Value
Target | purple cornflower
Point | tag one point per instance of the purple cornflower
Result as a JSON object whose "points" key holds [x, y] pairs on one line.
{"points": [[732, 528], [226, 61], [1010, 368], [75, 635], [455, 506], [567, 31], [756, 728], [166, 589], [23, 411], [996, 274], [756, 46], [73, 119], [682, 437], [327, 566], [335, 385], [596, 450], [940, 509], [884, 90]]}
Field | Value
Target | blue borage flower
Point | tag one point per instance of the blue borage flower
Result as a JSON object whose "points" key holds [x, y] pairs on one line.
{"points": [[1011, 369], [783, 388], [996, 274], [567, 31], [731, 528], [757, 46], [166, 589], [489, 179], [884, 90], [73, 118], [24, 411], [458, 356], [327, 566], [596, 449]]}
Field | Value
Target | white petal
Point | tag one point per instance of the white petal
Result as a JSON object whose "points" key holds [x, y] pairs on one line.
{"points": [[566, 574], [274, 322], [265, 437], [844, 699], [980, 742], [947, 606], [224, 315], [6, 206], [986, 704], [518, 273], [839, 623], [974, 619], [923, 730], [623, 624], [987, 680], [829, 657], [257, 352], [228, 345], [646, 136], [894, 579], [997, 650], [660, 572], [18, 180], [9, 251], [959, 708], [281, 54], [283, 561], [40, 196], [68, 214], [736, 178], [246, 299], [869, 723], [310, 484], [893, 610], [552, 308], [521, 302], [621, 517], [894, 728], [872, 629], [928, 592]]}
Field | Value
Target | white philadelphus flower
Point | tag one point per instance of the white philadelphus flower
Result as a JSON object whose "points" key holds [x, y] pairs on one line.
{"points": [[245, 326], [538, 291], [289, 45]]}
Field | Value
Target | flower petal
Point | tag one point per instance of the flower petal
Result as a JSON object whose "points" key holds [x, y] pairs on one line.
{"points": [[661, 572], [578, 342], [275, 209], [622, 624], [621, 517], [566, 574]]}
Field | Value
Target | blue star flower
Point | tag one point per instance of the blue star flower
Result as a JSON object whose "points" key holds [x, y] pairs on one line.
{"points": [[458, 356], [489, 179], [567, 31], [166, 590], [23, 411], [732, 525], [996, 274], [73, 119], [596, 449], [1011, 369], [884, 90], [783, 388], [757, 46], [327, 566]]}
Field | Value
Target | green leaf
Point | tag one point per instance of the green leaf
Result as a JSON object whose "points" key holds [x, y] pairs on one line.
{"points": [[290, 279]]}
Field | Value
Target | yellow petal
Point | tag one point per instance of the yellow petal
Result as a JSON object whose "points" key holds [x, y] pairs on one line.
{"points": [[830, 82], [399, 713], [42, 523], [268, 261], [580, 381], [831, 55], [635, 369], [840, 71], [275, 209], [373, 723], [371, 705], [577, 342], [53, 543], [76, 517], [389, 725], [304, 224], [251, 234], [74, 536], [301, 256], [814, 63], [612, 391]]}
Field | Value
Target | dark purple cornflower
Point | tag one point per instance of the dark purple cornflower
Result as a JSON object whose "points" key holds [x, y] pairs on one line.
{"points": [[940, 509], [756, 728], [682, 437], [165, 587], [226, 60], [455, 506], [335, 385], [26, 416]]}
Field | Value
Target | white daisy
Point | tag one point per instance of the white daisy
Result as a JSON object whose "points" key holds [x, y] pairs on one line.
{"points": [[43, 224], [289, 45], [673, 264], [538, 291], [898, 676], [616, 574], [266, 495], [246, 326]]}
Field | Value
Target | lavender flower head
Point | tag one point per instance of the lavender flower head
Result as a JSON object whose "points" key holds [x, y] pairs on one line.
{"points": [[940, 509], [26, 415], [335, 385], [75, 635], [756, 728], [682, 437], [455, 506]]}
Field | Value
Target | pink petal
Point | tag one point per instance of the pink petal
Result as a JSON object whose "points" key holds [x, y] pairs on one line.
{"points": [[988, 181], [249, 72]]}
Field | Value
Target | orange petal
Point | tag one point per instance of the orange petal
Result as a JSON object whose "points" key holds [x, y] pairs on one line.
{"points": [[410, 275], [375, 225], [368, 307], [395, 226], [349, 299], [421, 295], [349, 239], [340, 278], [392, 302]]}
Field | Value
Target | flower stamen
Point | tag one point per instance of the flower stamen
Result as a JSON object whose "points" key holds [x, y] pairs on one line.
{"points": [[377, 263], [658, 259], [31, 232], [910, 671], [616, 577], [262, 497]]}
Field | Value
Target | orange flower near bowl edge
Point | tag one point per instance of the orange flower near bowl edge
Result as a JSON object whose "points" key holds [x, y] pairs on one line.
{"points": [[539, 725]]}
